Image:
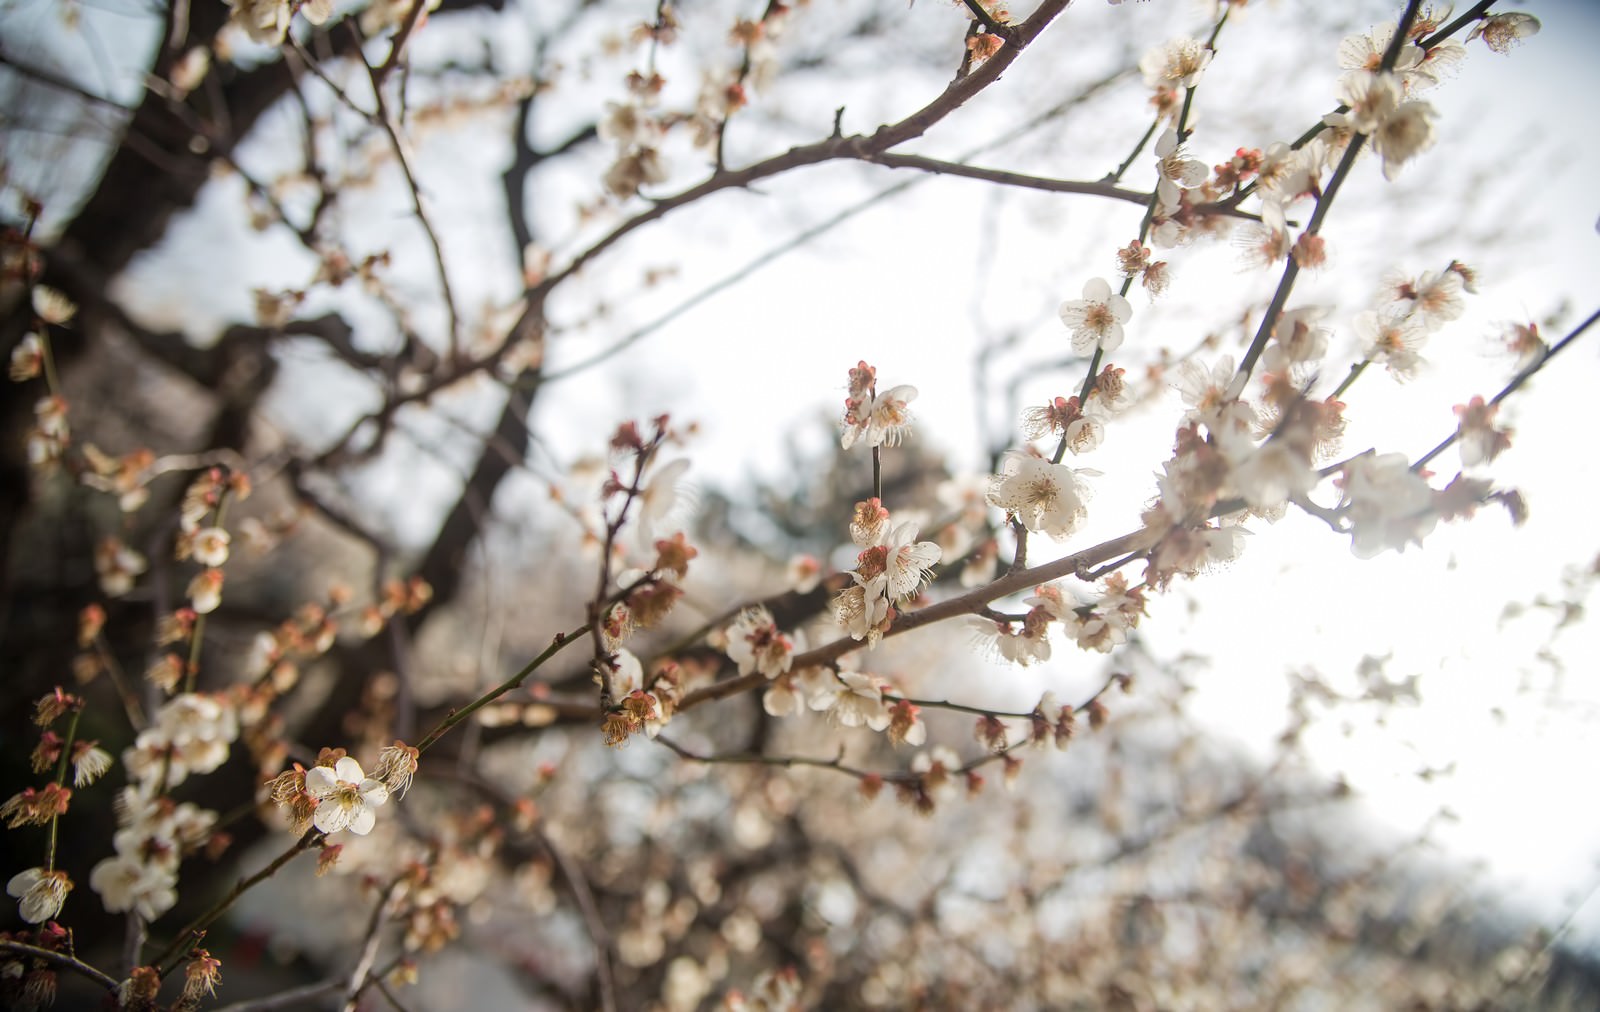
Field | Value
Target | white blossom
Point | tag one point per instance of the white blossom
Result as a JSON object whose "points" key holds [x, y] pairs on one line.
{"points": [[1403, 134], [345, 797], [191, 733], [1048, 498], [52, 305], [126, 883], [1176, 63], [1175, 171], [209, 546], [852, 700], [755, 644], [1097, 318], [1389, 504], [882, 420], [1502, 32], [662, 500], [40, 893], [1392, 340]]}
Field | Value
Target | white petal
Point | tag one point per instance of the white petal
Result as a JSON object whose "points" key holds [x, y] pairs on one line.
{"points": [[348, 770], [320, 781], [24, 880], [331, 817]]}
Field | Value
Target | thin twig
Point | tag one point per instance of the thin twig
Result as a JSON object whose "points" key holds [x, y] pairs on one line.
{"points": [[1516, 381], [61, 959], [386, 124]]}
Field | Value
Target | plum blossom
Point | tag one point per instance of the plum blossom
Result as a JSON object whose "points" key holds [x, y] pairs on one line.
{"points": [[1267, 242], [1082, 429], [1402, 135], [1389, 505], [1503, 32], [1434, 297], [661, 499], [854, 699], [267, 21], [1048, 498], [1286, 173], [1480, 440], [901, 562], [52, 305], [152, 836], [40, 893], [1024, 645], [51, 434], [637, 709], [755, 644], [1370, 97], [126, 883], [1443, 60], [205, 591], [803, 573], [905, 724], [117, 565], [1375, 106], [1096, 319], [1094, 631], [397, 764], [345, 797], [1205, 391], [791, 693], [1176, 171], [1364, 50], [862, 615], [1270, 475], [191, 733], [891, 567], [1392, 340], [27, 359], [633, 169], [209, 546], [627, 124], [938, 766], [880, 418], [1175, 63], [1296, 339], [1052, 722], [89, 763]]}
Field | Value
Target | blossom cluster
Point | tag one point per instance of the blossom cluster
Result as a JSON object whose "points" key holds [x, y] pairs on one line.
{"points": [[1100, 626], [850, 698], [153, 835], [337, 794], [1408, 309], [638, 126], [755, 644], [51, 433], [890, 569], [878, 419]]}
